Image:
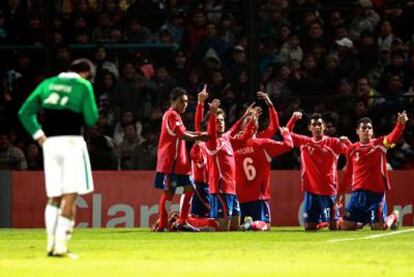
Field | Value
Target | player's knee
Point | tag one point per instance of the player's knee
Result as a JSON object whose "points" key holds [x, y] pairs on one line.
{"points": [[310, 226]]}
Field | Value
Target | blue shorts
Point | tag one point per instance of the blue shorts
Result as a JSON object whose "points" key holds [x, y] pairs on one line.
{"points": [[366, 207], [258, 210], [200, 205], [224, 205], [319, 208], [171, 181]]}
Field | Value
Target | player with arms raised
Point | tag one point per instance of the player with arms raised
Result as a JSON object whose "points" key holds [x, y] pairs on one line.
{"points": [[67, 102], [253, 171], [366, 172], [200, 206], [173, 165], [225, 207], [319, 158]]}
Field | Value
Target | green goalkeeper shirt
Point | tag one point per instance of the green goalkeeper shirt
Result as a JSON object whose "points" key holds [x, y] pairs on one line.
{"points": [[66, 101]]}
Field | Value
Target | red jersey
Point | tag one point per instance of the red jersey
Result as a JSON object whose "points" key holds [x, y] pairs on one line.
{"points": [[172, 156], [319, 160], [367, 163], [253, 166], [221, 163], [198, 154], [273, 124], [199, 165]]}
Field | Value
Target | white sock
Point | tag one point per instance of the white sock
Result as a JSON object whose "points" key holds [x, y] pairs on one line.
{"points": [[51, 217], [63, 234]]}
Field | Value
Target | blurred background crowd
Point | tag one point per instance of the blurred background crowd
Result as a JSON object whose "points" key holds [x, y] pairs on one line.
{"points": [[344, 59]]}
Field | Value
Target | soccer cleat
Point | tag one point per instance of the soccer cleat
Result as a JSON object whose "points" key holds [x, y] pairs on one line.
{"points": [[184, 227], [396, 224], [67, 254], [247, 225]]}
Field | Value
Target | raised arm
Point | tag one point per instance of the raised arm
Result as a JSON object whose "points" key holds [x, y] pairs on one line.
{"points": [[295, 117], [273, 117], [198, 118], [236, 126], [391, 139], [177, 127], [212, 126], [275, 148]]}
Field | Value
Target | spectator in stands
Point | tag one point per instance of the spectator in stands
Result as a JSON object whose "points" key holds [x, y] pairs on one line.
{"points": [[3, 31], [137, 32], [364, 19], [315, 35], [175, 26], [34, 33], [196, 30], [103, 64], [62, 59], [11, 157], [238, 60], [385, 36], [211, 40], [144, 156], [127, 118], [291, 49], [348, 63], [34, 157], [134, 92], [101, 33], [165, 83], [101, 150], [126, 148], [228, 30]]}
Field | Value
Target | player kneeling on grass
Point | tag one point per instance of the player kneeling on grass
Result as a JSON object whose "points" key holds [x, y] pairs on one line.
{"points": [[366, 172], [67, 101], [253, 160], [225, 207], [319, 158], [173, 165], [200, 204]]}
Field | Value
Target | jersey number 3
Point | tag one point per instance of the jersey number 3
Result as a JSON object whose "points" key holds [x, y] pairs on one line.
{"points": [[249, 169]]}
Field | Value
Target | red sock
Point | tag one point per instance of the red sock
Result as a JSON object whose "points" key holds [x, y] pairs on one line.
{"points": [[389, 220], [185, 207], [163, 210], [203, 223], [259, 226], [322, 225]]}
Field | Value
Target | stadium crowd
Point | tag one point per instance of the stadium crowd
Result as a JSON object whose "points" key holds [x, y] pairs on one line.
{"points": [[344, 59]]}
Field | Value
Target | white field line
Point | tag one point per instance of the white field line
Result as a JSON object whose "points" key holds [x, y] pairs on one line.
{"points": [[392, 233]]}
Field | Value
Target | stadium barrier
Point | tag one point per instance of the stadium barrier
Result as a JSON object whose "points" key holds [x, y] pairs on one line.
{"points": [[128, 199]]}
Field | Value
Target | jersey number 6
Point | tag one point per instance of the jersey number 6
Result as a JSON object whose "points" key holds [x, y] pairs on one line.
{"points": [[249, 169]]}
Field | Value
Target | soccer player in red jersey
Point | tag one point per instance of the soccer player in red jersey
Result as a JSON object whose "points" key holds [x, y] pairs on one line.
{"points": [[319, 156], [253, 189], [200, 206], [366, 172], [222, 167], [173, 165]]}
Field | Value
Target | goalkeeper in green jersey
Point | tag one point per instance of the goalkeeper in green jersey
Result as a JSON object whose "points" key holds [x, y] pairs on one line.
{"points": [[67, 103]]}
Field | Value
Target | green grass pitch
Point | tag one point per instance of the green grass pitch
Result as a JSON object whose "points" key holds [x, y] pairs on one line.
{"points": [[283, 251]]}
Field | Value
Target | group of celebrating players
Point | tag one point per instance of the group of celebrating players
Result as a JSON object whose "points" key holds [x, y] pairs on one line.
{"points": [[227, 177]]}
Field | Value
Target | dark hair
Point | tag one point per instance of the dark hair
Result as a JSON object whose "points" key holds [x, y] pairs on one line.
{"points": [[315, 116], [364, 120], [221, 111], [83, 65], [176, 93]]}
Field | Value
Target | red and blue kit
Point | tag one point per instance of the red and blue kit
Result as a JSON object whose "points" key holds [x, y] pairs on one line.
{"points": [[253, 166], [366, 173], [172, 154], [367, 163]]}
